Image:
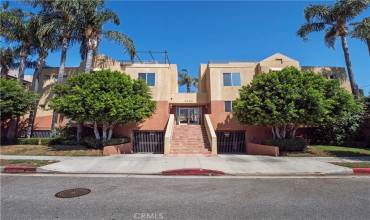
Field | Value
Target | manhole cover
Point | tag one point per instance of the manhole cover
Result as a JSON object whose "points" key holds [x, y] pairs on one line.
{"points": [[70, 193]]}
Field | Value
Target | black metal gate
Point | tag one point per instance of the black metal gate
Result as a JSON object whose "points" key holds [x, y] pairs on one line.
{"points": [[232, 142], [149, 142]]}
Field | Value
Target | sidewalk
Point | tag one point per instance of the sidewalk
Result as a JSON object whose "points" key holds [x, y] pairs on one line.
{"points": [[155, 164]]}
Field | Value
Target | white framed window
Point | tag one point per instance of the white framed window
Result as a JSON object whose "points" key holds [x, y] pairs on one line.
{"points": [[231, 79], [149, 78], [228, 106]]}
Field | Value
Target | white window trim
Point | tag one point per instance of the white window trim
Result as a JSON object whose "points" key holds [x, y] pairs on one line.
{"points": [[232, 82], [146, 77]]}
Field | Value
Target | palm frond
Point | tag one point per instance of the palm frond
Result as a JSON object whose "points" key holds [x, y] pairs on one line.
{"points": [[123, 40], [317, 13], [308, 28], [330, 37], [107, 15], [346, 10], [361, 29]]}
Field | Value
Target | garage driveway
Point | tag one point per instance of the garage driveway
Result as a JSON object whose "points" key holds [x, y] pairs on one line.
{"points": [[229, 164]]}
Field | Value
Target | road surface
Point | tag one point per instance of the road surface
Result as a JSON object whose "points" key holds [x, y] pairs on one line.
{"points": [[32, 197]]}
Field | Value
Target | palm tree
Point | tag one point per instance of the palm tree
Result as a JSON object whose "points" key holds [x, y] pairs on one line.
{"points": [[94, 16], [62, 18], [18, 27], [44, 43], [362, 31], [333, 20], [7, 60], [186, 79]]}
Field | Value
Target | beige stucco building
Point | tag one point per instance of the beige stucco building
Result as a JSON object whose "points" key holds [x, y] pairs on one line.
{"points": [[188, 123]]}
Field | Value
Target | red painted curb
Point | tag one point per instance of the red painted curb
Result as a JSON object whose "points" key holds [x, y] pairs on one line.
{"points": [[19, 169], [192, 172], [361, 171]]}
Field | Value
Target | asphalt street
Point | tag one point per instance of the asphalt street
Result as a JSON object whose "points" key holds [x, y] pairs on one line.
{"points": [[32, 197]]}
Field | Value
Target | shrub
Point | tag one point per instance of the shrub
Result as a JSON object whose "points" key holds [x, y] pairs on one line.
{"points": [[91, 142], [62, 141], [296, 144], [32, 141]]}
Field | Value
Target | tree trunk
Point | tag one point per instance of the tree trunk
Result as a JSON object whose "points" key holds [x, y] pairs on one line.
{"points": [[35, 88], [105, 127], [110, 133], [92, 44], [188, 88], [11, 129], [78, 134], [53, 124], [60, 79], [96, 131], [277, 132], [368, 45], [273, 132], [294, 131], [89, 60], [349, 66], [22, 64], [63, 58]]}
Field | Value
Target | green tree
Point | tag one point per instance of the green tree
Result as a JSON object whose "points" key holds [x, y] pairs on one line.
{"points": [[7, 60], [103, 98], [288, 99], [18, 27], [44, 42], [334, 20], [93, 17], [15, 100], [64, 19], [361, 31], [186, 79]]}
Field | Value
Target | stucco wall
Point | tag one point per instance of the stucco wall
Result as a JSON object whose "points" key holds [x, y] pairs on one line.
{"points": [[157, 122], [226, 121]]}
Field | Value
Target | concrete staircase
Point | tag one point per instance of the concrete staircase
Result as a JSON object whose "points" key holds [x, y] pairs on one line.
{"points": [[190, 140]]}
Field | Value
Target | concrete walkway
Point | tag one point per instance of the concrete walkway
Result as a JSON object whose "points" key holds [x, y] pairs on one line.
{"points": [[155, 164]]}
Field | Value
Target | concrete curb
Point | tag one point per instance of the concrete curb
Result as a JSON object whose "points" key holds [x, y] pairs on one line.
{"points": [[179, 172]]}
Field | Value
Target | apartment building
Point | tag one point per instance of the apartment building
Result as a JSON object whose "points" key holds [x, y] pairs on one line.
{"points": [[187, 123]]}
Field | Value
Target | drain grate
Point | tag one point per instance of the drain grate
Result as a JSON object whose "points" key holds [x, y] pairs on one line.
{"points": [[70, 193]]}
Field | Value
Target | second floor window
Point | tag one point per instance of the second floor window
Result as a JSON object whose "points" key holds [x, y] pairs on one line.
{"points": [[149, 78], [231, 79]]}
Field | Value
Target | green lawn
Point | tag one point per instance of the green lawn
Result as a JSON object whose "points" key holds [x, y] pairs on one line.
{"points": [[330, 151], [34, 163], [43, 150], [354, 165]]}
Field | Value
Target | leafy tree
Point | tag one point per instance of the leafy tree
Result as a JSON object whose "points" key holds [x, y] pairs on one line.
{"points": [[334, 21], [15, 100], [186, 79], [362, 31], [93, 17], [103, 98], [289, 99]]}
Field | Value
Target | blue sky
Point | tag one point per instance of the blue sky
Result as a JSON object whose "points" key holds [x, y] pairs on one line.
{"points": [[196, 32]]}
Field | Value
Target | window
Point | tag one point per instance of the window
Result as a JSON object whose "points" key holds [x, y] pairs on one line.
{"points": [[228, 106], [149, 78], [231, 79]]}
